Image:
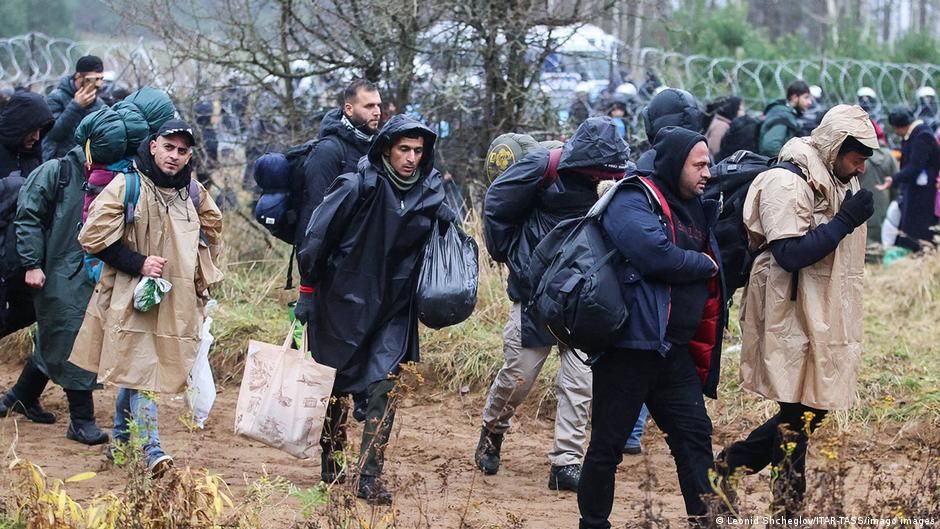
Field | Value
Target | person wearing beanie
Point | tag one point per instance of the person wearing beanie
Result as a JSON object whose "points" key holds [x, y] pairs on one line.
{"points": [[359, 264], [74, 98], [726, 111], [174, 234], [522, 205], [916, 181], [801, 314], [668, 356]]}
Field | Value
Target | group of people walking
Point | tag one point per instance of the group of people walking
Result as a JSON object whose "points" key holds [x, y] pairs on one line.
{"points": [[370, 200]]}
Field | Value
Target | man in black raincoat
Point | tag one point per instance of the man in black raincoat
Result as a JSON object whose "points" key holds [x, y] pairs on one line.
{"points": [[359, 265], [522, 205], [23, 123]]}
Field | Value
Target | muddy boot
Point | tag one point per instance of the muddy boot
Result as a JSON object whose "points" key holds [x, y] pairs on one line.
{"points": [[82, 412], [487, 452], [564, 477], [373, 491]]}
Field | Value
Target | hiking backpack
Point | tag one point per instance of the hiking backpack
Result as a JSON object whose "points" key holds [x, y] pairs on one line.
{"points": [[577, 276], [507, 149], [282, 181], [742, 135], [729, 184]]}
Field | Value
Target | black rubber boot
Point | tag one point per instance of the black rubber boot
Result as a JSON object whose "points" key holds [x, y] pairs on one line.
{"points": [[23, 397], [487, 452], [373, 491], [82, 412]]}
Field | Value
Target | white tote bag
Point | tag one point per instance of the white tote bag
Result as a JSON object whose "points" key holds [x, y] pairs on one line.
{"points": [[283, 397]]}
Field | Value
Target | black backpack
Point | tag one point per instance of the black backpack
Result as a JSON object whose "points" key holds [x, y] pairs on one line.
{"points": [[730, 181], [577, 277], [742, 135], [281, 179]]}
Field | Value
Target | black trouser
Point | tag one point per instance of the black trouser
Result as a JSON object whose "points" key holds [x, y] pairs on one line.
{"points": [[29, 386], [672, 390], [766, 446], [81, 405], [380, 415]]}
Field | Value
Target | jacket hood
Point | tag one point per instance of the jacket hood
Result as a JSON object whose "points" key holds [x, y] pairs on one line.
{"points": [[332, 125], [816, 154], [396, 127], [143, 113], [595, 144], [672, 108], [672, 146], [24, 113]]}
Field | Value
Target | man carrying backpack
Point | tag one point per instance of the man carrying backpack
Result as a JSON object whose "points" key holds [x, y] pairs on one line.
{"points": [[359, 264], [345, 136], [668, 354], [173, 234], [74, 98], [47, 223], [23, 122], [522, 205], [780, 123], [801, 314]]}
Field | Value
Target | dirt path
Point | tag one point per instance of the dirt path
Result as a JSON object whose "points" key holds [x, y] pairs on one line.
{"points": [[429, 461]]}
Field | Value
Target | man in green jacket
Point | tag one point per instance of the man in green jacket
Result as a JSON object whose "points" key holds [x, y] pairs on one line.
{"points": [[780, 123], [48, 219]]}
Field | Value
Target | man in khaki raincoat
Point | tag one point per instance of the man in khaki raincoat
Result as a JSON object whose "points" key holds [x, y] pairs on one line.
{"points": [[174, 232], [801, 319]]}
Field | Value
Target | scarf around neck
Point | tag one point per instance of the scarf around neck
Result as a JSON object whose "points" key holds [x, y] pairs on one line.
{"points": [[400, 182], [360, 134], [148, 166]]}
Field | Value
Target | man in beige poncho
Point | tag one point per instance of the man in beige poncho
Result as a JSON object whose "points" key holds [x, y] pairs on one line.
{"points": [[173, 231], [801, 318]]}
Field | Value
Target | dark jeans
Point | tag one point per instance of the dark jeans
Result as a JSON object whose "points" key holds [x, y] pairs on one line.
{"points": [[380, 415], [672, 390], [765, 446]]}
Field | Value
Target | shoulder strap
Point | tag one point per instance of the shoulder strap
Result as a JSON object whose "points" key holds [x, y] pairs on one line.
{"points": [[790, 166], [663, 204], [62, 183], [194, 194], [551, 171], [131, 195]]}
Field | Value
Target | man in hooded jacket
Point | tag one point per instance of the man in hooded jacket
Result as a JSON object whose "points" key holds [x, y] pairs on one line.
{"points": [[801, 320], [669, 354], [174, 234], [359, 265], [345, 136], [23, 122], [522, 205], [74, 98]]}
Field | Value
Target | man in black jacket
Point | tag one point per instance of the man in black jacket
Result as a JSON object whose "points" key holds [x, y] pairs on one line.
{"points": [[345, 136], [74, 98], [917, 179], [359, 265], [23, 123], [668, 355], [522, 205]]}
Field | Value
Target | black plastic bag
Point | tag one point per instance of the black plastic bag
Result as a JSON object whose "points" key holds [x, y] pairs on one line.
{"points": [[447, 286]]}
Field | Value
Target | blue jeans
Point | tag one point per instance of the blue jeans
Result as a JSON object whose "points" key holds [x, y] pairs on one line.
{"points": [[132, 405], [634, 440]]}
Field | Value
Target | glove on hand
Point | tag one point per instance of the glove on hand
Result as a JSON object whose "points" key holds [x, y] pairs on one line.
{"points": [[304, 309], [858, 208]]}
